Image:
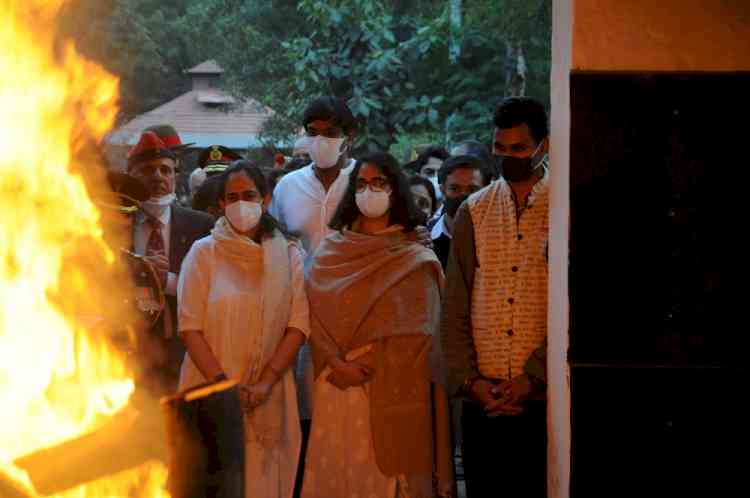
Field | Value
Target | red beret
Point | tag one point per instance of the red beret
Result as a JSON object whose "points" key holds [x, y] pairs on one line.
{"points": [[149, 147]]}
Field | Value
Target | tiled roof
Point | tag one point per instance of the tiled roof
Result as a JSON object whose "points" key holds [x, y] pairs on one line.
{"points": [[197, 119], [207, 67]]}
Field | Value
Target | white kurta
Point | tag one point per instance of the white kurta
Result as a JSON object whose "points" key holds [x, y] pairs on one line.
{"points": [[302, 204], [221, 296]]}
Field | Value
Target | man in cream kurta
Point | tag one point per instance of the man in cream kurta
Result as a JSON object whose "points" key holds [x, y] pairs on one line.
{"points": [[494, 322]]}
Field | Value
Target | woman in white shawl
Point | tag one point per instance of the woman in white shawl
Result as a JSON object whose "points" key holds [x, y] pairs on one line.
{"points": [[243, 315]]}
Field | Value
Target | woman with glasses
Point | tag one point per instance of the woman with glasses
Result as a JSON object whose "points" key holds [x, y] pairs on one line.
{"points": [[380, 419], [243, 315]]}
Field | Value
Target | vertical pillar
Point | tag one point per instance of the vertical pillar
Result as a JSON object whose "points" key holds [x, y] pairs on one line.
{"points": [[640, 91], [558, 407]]}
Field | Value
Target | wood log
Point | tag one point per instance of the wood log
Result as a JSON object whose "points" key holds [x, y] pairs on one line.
{"points": [[206, 442], [11, 488], [129, 439]]}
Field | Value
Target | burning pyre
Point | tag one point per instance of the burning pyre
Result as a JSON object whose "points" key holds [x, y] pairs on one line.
{"points": [[61, 285]]}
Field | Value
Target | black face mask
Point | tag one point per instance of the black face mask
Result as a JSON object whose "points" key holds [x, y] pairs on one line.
{"points": [[518, 169], [453, 203]]}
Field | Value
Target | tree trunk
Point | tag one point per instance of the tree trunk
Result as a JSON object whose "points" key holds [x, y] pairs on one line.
{"points": [[515, 70], [454, 48]]}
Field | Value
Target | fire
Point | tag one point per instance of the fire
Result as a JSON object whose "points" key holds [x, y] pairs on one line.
{"points": [[60, 376]]}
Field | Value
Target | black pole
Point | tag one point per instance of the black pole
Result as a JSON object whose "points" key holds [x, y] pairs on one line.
{"points": [[206, 442]]}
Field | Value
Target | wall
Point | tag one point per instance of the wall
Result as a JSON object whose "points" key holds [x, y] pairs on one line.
{"points": [[617, 36], [661, 35]]}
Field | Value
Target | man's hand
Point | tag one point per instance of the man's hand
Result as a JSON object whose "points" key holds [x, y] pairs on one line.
{"points": [[346, 374], [490, 397], [510, 396], [161, 265], [518, 390]]}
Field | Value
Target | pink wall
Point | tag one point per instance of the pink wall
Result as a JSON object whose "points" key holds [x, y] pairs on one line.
{"points": [[661, 35]]}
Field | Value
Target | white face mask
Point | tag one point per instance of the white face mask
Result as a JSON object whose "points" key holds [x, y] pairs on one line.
{"points": [[243, 215], [157, 205], [325, 151], [373, 204], [302, 145], [436, 184]]}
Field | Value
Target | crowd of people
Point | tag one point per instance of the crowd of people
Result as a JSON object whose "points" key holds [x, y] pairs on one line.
{"points": [[378, 317]]}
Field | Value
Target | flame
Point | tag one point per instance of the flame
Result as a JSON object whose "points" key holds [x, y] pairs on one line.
{"points": [[60, 377]]}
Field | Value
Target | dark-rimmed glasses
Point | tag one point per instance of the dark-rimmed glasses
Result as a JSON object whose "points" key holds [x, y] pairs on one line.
{"points": [[377, 184]]}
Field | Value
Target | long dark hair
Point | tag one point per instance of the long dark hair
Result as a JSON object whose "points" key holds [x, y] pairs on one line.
{"points": [[427, 184], [403, 210], [267, 222]]}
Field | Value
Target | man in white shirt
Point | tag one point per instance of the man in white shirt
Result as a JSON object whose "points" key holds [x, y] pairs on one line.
{"points": [[305, 201], [163, 232]]}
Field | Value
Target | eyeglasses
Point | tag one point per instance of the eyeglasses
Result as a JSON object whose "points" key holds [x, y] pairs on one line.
{"points": [[377, 184]]}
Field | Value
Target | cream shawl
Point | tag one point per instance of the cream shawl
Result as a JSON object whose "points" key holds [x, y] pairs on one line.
{"points": [[264, 424]]}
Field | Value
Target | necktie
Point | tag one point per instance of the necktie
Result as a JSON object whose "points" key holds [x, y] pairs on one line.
{"points": [[155, 244]]}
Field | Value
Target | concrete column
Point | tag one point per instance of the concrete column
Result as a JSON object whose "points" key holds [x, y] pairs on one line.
{"points": [[558, 374], [617, 36]]}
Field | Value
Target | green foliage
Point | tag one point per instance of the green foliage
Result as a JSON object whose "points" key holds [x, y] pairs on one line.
{"points": [[387, 58], [353, 52], [389, 61], [408, 146], [138, 40]]}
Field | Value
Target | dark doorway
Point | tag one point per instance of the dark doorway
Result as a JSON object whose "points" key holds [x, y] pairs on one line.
{"points": [[658, 337]]}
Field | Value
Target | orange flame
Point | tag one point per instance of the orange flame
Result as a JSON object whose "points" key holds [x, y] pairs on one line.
{"points": [[58, 379]]}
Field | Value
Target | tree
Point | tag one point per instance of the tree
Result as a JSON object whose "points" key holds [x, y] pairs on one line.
{"points": [[407, 68], [506, 51], [364, 51], [141, 41]]}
